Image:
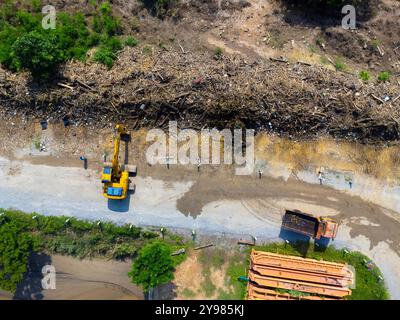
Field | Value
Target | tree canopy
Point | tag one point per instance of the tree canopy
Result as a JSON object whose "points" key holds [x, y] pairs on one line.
{"points": [[25, 44], [153, 266], [37, 53], [15, 247]]}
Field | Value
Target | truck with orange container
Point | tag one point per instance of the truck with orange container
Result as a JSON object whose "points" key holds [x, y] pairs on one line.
{"points": [[309, 225]]}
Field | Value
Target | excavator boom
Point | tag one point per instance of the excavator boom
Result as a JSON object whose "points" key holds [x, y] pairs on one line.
{"points": [[121, 130]]}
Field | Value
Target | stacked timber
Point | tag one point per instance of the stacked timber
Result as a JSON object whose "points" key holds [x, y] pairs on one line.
{"points": [[277, 277]]}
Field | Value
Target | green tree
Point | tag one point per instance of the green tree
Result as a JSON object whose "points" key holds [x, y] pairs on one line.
{"points": [[36, 53], [153, 266], [15, 247]]}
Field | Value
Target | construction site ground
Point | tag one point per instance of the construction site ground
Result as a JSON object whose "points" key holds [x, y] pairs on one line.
{"points": [[213, 201]]}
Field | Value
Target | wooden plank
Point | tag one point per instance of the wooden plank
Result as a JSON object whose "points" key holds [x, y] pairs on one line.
{"points": [[298, 286], [260, 293], [333, 280], [205, 246], [298, 263]]}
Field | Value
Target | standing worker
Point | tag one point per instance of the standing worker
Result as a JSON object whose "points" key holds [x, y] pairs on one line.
{"points": [[320, 177], [259, 174], [84, 159]]}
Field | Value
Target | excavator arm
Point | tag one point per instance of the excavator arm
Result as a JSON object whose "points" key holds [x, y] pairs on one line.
{"points": [[121, 130]]}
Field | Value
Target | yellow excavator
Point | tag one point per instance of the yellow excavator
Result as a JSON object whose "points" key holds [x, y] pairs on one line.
{"points": [[114, 177]]}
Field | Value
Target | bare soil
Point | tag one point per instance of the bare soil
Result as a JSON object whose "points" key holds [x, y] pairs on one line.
{"points": [[78, 280]]}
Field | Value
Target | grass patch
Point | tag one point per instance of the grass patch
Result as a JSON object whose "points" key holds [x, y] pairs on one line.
{"points": [[105, 56], [131, 42], [36, 142], [147, 50], [375, 43], [320, 41], [218, 52], [368, 283], [383, 76], [276, 40], [312, 49], [238, 266], [211, 259], [187, 293], [207, 285], [340, 65], [364, 76], [324, 60]]}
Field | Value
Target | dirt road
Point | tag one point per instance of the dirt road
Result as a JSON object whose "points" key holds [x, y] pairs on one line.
{"points": [[209, 201]]}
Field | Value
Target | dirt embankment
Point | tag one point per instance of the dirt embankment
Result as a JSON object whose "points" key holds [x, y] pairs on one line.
{"points": [[177, 74]]}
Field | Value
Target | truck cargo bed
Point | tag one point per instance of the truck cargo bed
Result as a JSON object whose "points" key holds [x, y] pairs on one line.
{"points": [[300, 222]]}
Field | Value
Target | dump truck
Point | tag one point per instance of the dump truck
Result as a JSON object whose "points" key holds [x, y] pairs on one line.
{"points": [[309, 225], [115, 177]]}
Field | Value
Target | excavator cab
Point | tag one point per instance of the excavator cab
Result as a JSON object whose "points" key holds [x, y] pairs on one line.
{"points": [[106, 175], [114, 177]]}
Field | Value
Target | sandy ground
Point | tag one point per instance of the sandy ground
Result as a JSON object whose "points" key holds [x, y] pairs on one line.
{"points": [[77, 280]]}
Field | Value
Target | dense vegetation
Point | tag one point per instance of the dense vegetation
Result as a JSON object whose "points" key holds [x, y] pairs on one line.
{"points": [[20, 233], [25, 44], [15, 247]]}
